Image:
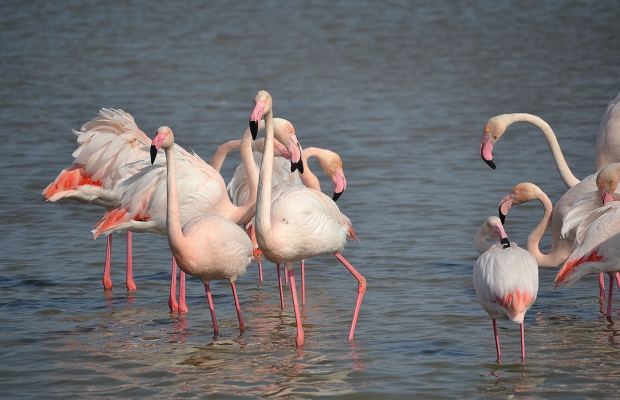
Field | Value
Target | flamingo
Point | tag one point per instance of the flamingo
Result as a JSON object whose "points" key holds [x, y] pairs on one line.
{"points": [[496, 127], [201, 190], [106, 144], [597, 229], [505, 278], [294, 222], [208, 247]]}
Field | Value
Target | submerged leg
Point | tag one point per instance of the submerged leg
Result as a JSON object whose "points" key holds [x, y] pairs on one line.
{"points": [[299, 340], [131, 285], [234, 290], [361, 289], [499, 353], [522, 344], [601, 285], [107, 280], [260, 272], [182, 304], [172, 300], [216, 330], [280, 286]]}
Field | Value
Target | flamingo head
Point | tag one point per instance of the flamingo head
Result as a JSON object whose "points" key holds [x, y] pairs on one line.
{"points": [[607, 182], [332, 165], [262, 106], [522, 193], [164, 138], [287, 145], [496, 228], [493, 130]]}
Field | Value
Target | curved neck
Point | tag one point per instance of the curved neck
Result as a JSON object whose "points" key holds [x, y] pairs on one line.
{"points": [[553, 259], [220, 155], [480, 240], [173, 218], [560, 163], [263, 202], [308, 178]]}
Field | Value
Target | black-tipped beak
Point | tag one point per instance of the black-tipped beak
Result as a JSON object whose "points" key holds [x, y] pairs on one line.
{"points": [[502, 217], [254, 129], [490, 163], [153, 154], [336, 196], [505, 243], [298, 165]]}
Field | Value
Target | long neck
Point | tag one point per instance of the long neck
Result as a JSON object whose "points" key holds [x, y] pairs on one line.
{"points": [[480, 240], [263, 202], [553, 259], [308, 178], [173, 218], [565, 173], [220, 155], [251, 170]]}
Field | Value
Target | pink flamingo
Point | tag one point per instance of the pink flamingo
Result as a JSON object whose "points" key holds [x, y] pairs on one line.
{"points": [[295, 223], [598, 234], [201, 189], [505, 278], [208, 247], [106, 144]]}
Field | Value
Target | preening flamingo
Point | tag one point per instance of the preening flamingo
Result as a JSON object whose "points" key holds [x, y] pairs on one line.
{"points": [[505, 278], [107, 144], [295, 222], [208, 247], [201, 189]]}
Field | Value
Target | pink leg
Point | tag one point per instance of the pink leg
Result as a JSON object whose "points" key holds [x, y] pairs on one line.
{"points": [[286, 278], [303, 284], [618, 279], [107, 280], [499, 353], [172, 300], [129, 277], [522, 344], [280, 286], [299, 340], [234, 290], [182, 304], [601, 285], [260, 272], [609, 301], [361, 289], [216, 330]]}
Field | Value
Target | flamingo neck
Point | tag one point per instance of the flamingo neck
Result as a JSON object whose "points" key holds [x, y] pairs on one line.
{"points": [[560, 163], [308, 178], [220, 155], [553, 259], [480, 239], [263, 202], [173, 218]]}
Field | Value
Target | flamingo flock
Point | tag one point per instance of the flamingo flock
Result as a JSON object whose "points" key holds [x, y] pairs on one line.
{"points": [[272, 207], [585, 226]]}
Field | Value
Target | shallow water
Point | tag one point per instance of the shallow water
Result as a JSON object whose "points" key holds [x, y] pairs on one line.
{"points": [[401, 90]]}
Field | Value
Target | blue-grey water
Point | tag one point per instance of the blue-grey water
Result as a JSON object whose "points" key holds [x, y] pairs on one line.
{"points": [[401, 90]]}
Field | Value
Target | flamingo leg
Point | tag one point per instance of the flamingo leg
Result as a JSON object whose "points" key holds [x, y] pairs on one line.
{"points": [[280, 286], [131, 285], [601, 285], [260, 272], [107, 280], [303, 284], [522, 344], [234, 290], [216, 330], [361, 289], [182, 304], [286, 279], [618, 279], [299, 340], [609, 301], [499, 353], [172, 300]]}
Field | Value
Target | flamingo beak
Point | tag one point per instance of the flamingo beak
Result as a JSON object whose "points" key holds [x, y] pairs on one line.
{"points": [[486, 150], [605, 196], [505, 242], [340, 184], [504, 206], [294, 148], [256, 116], [336, 196], [156, 145]]}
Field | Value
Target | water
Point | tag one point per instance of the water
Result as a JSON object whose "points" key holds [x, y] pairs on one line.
{"points": [[401, 90]]}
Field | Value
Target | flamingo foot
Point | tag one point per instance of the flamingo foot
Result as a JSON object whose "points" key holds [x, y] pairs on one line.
{"points": [[234, 290], [299, 339]]}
